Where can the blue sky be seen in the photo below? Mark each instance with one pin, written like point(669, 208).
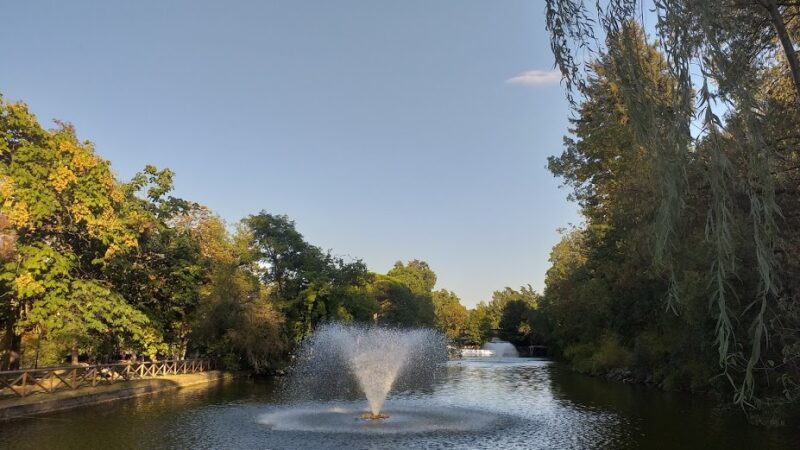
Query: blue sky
point(387, 130)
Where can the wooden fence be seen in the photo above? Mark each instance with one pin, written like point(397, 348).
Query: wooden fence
point(25, 382)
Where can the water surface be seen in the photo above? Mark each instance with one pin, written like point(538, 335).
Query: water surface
point(516, 403)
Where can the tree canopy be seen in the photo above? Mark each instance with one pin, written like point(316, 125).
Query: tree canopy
point(715, 151)
point(98, 269)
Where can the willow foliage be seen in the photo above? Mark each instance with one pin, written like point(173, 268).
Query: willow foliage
point(717, 53)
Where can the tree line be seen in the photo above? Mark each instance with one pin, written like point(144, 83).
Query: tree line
point(683, 156)
point(95, 269)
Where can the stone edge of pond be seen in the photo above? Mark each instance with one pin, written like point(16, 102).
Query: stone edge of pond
point(38, 404)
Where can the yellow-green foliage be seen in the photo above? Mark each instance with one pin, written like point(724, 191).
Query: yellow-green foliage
point(609, 354)
point(598, 357)
point(98, 268)
point(66, 211)
point(580, 356)
point(450, 314)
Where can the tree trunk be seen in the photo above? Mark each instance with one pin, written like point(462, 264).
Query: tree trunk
point(11, 349)
point(786, 41)
point(74, 354)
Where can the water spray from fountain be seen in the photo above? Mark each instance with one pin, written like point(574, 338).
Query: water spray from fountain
point(501, 349)
point(374, 359)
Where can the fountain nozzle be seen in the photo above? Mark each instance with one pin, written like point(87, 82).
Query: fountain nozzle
point(371, 416)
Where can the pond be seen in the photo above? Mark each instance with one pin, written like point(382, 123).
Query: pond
point(480, 403)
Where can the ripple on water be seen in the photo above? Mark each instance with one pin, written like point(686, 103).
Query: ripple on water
point(406, 418)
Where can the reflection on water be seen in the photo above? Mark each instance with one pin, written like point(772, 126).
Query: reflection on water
point(526, 403)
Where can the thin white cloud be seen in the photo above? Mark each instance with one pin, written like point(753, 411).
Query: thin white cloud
point(536, 78)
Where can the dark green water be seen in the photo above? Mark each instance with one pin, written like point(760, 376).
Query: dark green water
point(479, 403)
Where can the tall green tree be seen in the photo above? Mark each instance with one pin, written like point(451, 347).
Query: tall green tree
point(520, 321)
point(605, 288)
point(163, 277)
point(417, 275)
point(235, 321)
point(405, 294)
point(734, 44)
point(398, 305)
point(478, 328)
point(67, 213)
point(309, 285)
point(450, 315)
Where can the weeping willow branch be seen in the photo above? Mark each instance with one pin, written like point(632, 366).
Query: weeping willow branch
point(718, 231)
point(659, 128)
point(732, 42)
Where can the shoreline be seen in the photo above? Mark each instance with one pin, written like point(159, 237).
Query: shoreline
point(768, 415)
point(38, 404)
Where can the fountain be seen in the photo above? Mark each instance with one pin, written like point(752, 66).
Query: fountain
point(501, 349)
point(495, 348)
point(375, 358)
point(341, 364)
